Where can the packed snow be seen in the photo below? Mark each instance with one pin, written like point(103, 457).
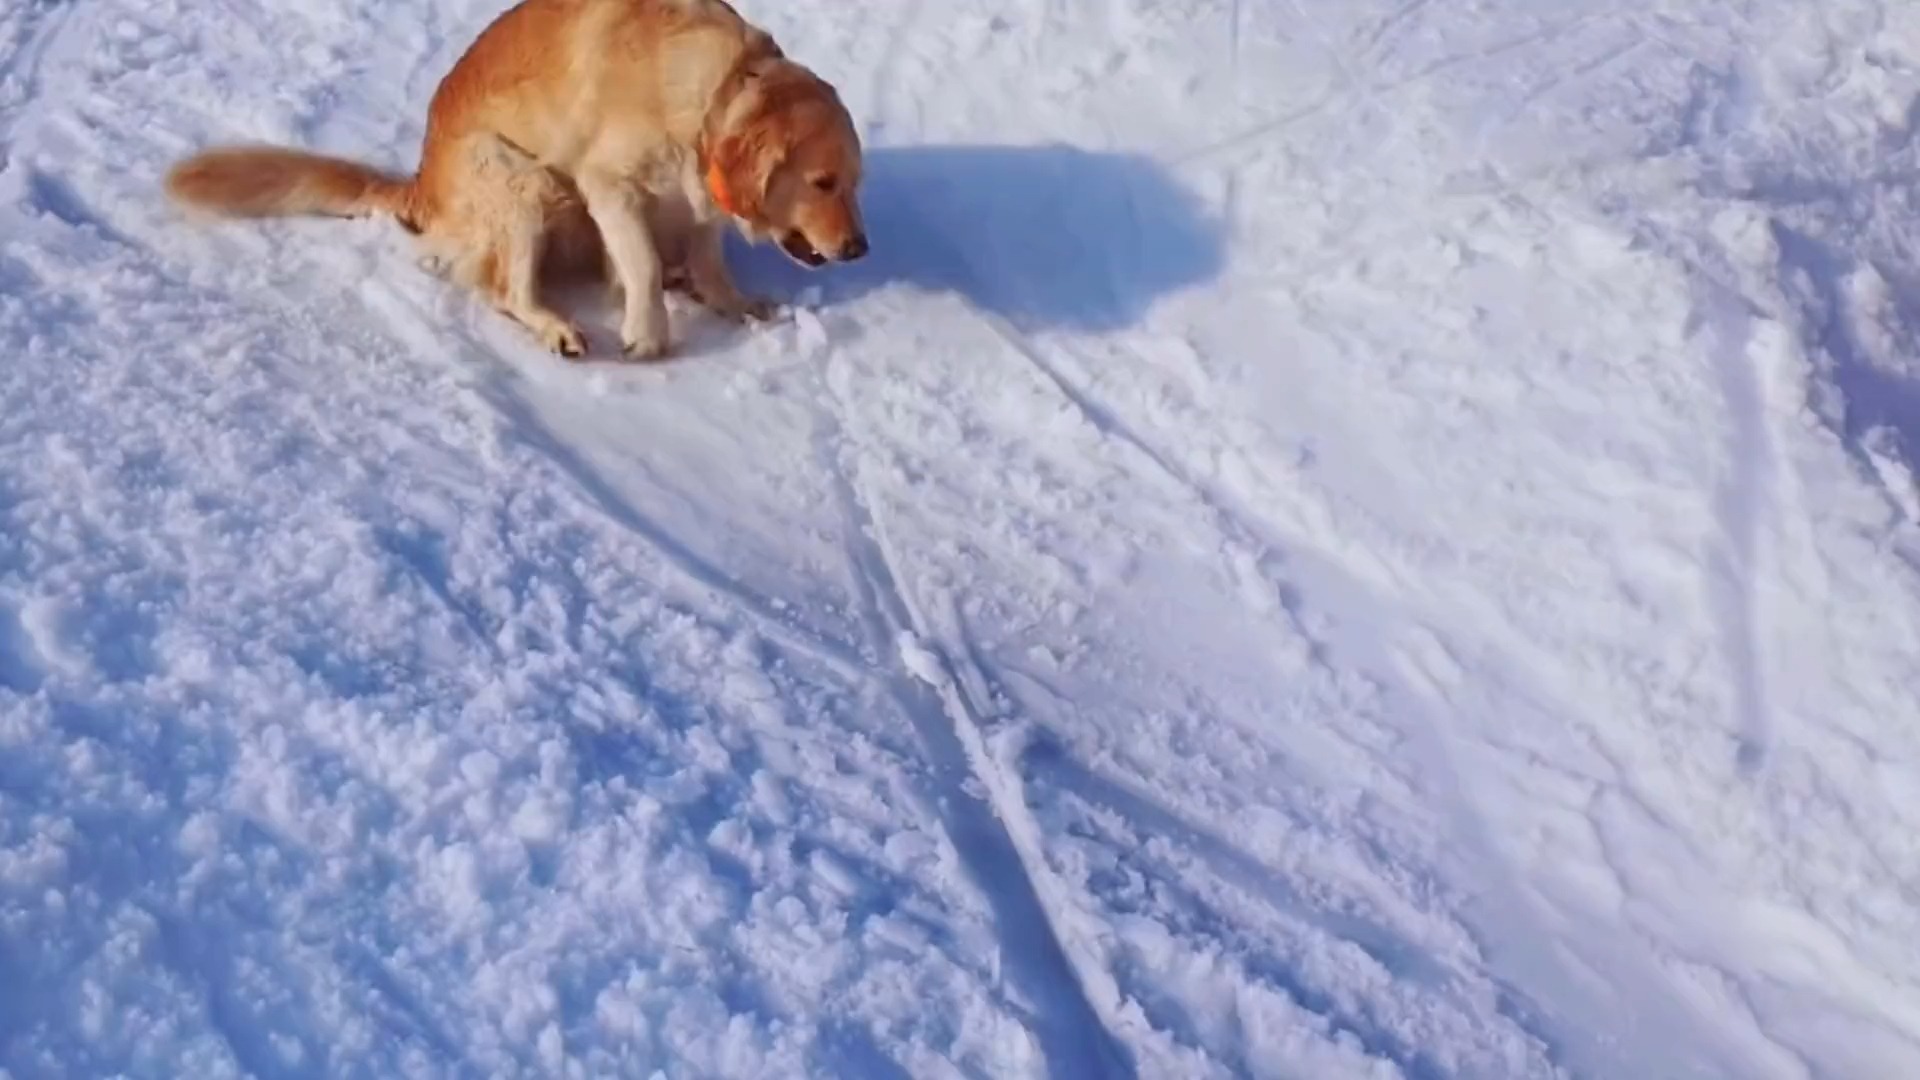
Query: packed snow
point(1330, 538)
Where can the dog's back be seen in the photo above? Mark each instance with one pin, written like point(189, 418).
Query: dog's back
point(608, 85)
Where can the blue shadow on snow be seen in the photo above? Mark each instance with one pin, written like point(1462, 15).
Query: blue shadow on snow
point(1048, 236)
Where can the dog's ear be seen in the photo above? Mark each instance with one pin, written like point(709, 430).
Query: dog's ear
point(742, 166)
point(752, 139)
point(749, 151)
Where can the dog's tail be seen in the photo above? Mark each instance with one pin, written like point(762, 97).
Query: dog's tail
point(270, 181)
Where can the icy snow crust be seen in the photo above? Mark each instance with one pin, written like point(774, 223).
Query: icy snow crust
point(1329, 539)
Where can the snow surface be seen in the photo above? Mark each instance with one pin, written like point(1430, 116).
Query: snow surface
point(1330, 538)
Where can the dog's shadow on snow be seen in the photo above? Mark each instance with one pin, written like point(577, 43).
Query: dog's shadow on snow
point(1048, 236)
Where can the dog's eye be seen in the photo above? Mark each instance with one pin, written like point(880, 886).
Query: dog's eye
point(824, 182)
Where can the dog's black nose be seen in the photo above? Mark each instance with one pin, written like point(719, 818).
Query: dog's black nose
point(855, 248)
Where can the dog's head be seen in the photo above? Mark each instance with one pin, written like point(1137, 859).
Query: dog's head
point(784, 160)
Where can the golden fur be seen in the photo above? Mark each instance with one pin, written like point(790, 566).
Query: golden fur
point(593, 137)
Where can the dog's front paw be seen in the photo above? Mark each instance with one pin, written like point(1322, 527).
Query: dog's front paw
point(643, 345)
point(748, 309)
point(760, 309)
point(645, 337)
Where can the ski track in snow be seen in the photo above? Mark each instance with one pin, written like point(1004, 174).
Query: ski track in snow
point(1743, 509)
point(980, 810)
point(1326, 540)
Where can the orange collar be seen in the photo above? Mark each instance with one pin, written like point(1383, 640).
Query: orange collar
point(717, 187)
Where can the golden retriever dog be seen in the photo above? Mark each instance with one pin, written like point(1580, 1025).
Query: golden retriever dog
point(616, 138)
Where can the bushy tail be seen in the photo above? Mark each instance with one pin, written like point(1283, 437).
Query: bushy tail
point(269, 181)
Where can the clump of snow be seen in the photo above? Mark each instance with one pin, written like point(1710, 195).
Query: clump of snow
point(920, 661)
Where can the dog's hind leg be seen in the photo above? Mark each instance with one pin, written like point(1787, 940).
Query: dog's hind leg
point(519, 294)
point(515, 203)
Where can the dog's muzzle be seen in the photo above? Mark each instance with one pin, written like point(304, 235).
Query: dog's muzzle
point(800, 250)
